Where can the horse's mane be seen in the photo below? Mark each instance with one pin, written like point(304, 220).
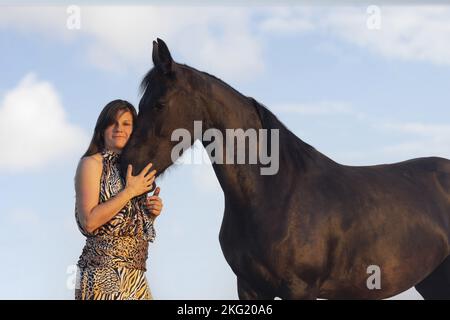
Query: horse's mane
point(293, 146)
point(149, 78)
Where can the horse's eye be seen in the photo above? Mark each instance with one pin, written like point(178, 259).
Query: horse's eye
point(159, 105)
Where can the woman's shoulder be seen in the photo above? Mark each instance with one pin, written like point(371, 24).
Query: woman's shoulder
point(92, 159)
point(91, 163)
point(96, 156)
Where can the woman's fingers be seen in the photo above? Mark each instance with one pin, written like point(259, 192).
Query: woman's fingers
point(154, 203)
point(144, 171)
point(155, 208)
point(154, 199)
point(150, 178)
point(151, 174)
point(149, 183)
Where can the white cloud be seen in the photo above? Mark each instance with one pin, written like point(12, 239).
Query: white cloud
point(285, 20)
point(229, 41)
point(33, 127)
point(407, 32)
point(49, 21)
point(418, 33)
point(423, 139)
point(214, 39)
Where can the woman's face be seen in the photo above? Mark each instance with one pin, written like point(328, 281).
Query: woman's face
point(118, 133)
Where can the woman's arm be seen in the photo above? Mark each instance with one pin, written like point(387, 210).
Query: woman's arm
point(93, 215)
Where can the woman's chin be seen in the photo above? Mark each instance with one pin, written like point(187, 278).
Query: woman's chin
point(119, 146)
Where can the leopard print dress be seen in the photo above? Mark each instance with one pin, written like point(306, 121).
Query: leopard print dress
point(113, 262)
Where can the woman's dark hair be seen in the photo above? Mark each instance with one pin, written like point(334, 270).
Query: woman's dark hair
point(105, 119)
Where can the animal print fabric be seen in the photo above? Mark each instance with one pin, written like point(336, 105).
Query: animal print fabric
point(112, 284)
point(113, 262)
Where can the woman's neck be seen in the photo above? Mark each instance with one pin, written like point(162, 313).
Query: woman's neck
point(113, 149)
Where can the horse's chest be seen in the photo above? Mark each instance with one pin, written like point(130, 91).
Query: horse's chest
point(243, 250)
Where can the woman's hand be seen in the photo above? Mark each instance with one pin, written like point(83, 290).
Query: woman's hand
point(140, 184)
point(154, 203)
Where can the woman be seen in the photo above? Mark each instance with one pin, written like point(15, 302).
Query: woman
point(115, 215)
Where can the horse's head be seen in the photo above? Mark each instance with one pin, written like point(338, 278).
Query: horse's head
point(168, 103)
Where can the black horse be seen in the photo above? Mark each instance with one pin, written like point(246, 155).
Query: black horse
point(316, 229)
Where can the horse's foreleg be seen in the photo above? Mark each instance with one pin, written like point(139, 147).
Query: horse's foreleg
point(437, 284)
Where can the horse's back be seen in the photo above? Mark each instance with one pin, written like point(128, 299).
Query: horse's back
point(427, 164)
point(421, 172)
point(435, 168)
point(424, 164)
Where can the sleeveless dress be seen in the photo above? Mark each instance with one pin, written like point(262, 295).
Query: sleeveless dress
point(113, 262)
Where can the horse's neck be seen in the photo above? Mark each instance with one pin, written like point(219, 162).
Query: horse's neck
point(228, 109)
point(225, 108)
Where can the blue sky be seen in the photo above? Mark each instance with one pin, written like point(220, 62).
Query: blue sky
point(360, 96)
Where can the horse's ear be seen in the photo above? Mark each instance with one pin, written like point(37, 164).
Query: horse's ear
point(161, 56)
point(155, 55)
